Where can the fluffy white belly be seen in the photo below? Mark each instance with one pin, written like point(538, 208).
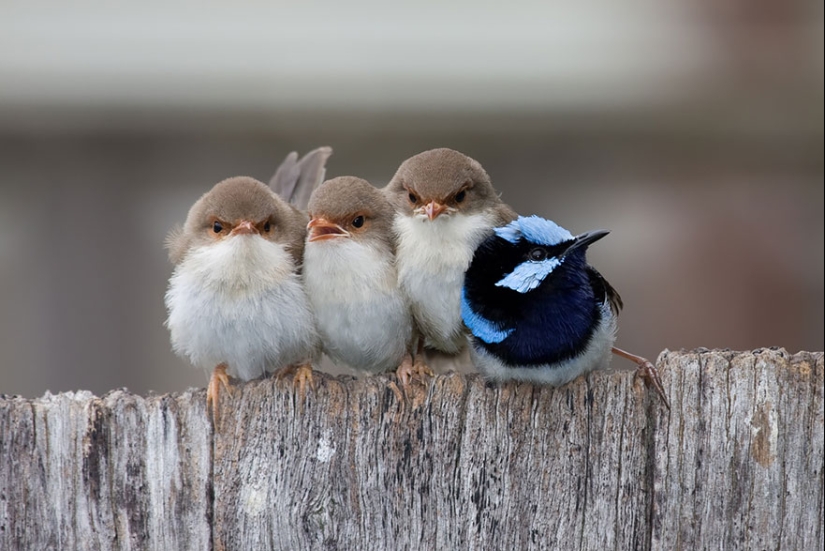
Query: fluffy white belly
point(363, 319)
point(255, 320)
point(432, 258)
point(596, 356)
point(372, 336)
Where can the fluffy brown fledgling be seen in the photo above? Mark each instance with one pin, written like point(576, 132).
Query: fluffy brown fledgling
point(446, 206)
point(351, 278)
point(236, 302)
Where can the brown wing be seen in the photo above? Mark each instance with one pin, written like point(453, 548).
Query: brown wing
point(604, 290)
point(294, 234)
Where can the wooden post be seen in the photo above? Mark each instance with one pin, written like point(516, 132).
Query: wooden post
point(460, 464)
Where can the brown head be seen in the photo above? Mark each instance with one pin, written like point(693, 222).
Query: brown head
point(350, 208)
point(442, 181)
point(239, 206)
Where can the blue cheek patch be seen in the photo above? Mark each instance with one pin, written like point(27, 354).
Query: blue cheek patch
point(480, 327)
point(529, 275)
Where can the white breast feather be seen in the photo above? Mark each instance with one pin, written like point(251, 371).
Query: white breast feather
point(432, 257)
point(239, 301)
point(363, 319)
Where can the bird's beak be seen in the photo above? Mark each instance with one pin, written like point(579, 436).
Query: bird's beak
point(245, 227)
point(433, 209)
point(321, 228)
point(585, 239)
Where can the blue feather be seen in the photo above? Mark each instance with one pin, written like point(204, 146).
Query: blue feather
point(480, 327)
point(511, 232)
point(534, 229)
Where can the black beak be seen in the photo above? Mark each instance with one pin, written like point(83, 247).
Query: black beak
point(585, 239)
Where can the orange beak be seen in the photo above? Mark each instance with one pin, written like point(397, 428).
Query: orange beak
point(320, 229)
point(433, 209)
point(244, 227)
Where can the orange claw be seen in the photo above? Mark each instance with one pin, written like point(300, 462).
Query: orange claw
point(302, 376)
point(409, 370)
point(213, 391)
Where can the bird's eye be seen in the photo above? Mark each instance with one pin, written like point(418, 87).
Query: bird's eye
point(358, 222)
point(459, 197)
point(412, 197)
point(267, 226)
point(537, 255)
point(217, 227)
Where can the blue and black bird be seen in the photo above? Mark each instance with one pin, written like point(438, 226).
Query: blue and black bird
point(537, 311)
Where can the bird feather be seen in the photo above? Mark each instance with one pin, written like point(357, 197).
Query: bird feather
point(295, 180)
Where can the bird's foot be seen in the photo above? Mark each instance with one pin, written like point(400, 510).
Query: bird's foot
point(647, 372)
point(304, 378)
point(409, 370)
point(301, 376)
point(213, 390)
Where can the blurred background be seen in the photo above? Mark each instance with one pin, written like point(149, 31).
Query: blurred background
point(693, 130)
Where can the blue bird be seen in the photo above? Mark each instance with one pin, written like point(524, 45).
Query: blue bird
point(537, 311)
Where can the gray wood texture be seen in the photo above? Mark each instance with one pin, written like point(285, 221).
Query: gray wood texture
point(458, 464)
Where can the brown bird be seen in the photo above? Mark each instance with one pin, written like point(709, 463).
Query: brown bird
point(235, 301)
point(446, 207)
point(351, 279)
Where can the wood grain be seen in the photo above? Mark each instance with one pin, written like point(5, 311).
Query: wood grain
point(457, 464)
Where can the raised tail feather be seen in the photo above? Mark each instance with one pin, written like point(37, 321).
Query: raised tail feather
point(296, 179)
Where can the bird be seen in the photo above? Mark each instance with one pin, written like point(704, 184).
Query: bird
point(537, 311)
point(351, 279)
point(446, 206)
point(235, 301)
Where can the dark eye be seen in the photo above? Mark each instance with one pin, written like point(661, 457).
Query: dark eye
point(358, 222)
point(217, 227)
point(537, 255)
point(267, 226)
point(412, 197)
point(459, 197)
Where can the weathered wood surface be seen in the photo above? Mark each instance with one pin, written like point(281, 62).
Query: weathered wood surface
point(461, 464)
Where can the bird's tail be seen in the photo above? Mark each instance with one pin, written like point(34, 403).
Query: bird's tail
point(296, 179)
